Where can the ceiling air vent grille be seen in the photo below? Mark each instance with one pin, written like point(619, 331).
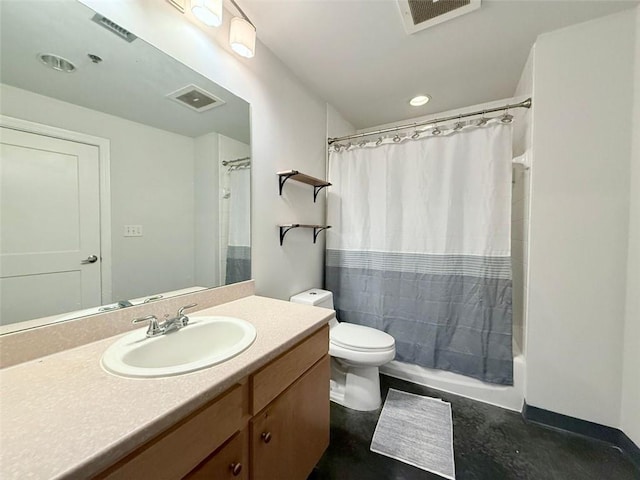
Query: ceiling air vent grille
point(420, 14)
point(196, 98)
point(113, 27)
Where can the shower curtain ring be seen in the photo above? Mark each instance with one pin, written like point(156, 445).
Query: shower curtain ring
point(458, 125)
point(506, 118)
point(483, 120)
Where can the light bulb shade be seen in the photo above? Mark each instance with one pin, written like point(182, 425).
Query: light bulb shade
point(208, 12)
point(242, 37)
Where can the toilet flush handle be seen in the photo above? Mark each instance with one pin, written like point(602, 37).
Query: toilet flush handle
point(266, 437)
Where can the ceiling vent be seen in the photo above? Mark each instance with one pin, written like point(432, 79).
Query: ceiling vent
point(420, 14)
point(113, 27)
point(196, 98)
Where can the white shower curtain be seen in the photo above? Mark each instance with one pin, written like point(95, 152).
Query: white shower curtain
point(239, 245)
point(420, 247)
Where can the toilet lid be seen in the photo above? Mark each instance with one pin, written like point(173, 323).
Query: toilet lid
point(361, 338)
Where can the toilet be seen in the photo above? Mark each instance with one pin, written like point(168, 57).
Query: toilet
point(356, 353)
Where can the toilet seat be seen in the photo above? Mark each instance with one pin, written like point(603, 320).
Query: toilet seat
point(361, 346)
point(359, 338)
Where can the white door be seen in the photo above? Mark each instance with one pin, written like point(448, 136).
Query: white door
point(49, 226)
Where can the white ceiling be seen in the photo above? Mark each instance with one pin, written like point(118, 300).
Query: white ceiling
point(356, 55)
point(131, 82)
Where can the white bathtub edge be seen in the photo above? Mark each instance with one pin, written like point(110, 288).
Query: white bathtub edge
point(508, 397)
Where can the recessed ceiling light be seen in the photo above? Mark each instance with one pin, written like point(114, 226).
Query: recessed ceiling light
point(419, 100)
point(57, 63)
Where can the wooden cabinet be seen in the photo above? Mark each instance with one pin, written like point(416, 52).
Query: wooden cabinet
point(230, 462)
point(176, 452)
point(290, 435)
point(272, 425)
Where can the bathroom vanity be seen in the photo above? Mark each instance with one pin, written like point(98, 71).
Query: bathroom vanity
point(263, 414)
point(272, 424)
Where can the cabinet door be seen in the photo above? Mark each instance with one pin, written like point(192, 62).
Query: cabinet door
point(231, 462)
point(291, 434)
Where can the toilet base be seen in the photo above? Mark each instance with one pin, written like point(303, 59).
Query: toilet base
point(357, 388)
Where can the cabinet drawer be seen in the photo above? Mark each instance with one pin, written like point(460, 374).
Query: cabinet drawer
point(231, 462)
point(176, 452)
point(274, 379)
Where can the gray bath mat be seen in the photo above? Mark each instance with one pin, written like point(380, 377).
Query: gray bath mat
point(416, 430)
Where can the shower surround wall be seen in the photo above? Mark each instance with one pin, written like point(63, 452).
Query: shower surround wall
point(520, 204)
point(519, 248)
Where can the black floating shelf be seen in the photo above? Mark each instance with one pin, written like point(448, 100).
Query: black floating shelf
point(290, 226)
point(302, 178)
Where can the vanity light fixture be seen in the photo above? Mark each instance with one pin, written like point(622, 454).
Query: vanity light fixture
point(208, 12)
point(242, 37)
point(242, 34)
point(419, 100)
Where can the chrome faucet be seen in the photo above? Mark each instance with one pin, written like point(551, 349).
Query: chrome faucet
point(155, 329)
point(179, 321)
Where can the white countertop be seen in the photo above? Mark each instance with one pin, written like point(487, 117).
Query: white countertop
point(63, 415)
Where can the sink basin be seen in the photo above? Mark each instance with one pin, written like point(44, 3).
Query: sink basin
point(206, 341)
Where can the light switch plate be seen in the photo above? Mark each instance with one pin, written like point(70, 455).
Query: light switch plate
point(133, 230)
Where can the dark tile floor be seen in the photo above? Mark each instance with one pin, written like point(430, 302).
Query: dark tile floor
point(489, 443)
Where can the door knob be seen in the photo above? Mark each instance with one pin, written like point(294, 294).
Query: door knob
point(90, 259)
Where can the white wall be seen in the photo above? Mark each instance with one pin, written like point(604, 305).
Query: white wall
point(207, 166)
point(337, 126)
point(583, 85)
point(151, 185)
point(288, 131)
point(630, 417)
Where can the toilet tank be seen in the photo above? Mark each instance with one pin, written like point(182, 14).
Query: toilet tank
point(315, 297)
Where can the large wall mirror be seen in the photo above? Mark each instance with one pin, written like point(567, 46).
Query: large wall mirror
point(124, 175)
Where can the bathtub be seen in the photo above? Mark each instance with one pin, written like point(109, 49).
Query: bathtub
point(509, 397)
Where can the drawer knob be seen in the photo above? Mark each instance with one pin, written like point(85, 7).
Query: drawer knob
point(235, 468)
point(266, 437)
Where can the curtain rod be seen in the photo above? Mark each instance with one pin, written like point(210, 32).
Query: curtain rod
point(237, 160)
point(524, 104)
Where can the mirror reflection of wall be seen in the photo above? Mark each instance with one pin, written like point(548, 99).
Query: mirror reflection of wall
point(169, 213)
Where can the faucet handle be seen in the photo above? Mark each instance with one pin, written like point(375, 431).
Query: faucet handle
point(154, 328)
point(184, 320)
point(182, 309)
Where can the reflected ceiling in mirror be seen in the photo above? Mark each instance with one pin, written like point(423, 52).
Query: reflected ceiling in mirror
point(114, 151)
